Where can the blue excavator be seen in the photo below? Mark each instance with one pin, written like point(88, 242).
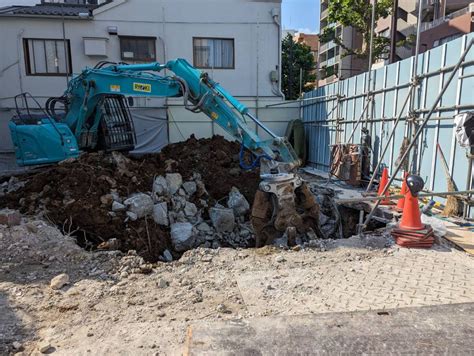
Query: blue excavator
point(93, 114)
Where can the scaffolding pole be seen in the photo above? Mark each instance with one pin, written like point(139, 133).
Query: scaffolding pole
point(420, 129)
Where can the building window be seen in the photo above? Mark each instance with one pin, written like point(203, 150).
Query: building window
point(47, 57)
point(402, 14)
point(217, 53)
point(140, 49)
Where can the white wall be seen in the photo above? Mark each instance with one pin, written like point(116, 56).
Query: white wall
point(182, 123)
point(173, 22)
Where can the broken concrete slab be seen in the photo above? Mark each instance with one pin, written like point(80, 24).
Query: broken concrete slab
point(167, 256)
point(204, 227)
point(182, 236)
point(174, 180)
point(223, 219)
point(238, 203)
point(160, 186)
point(190, 209)
point(190, 187)
point(141, 204)
point(160, 214)
point(116, 206)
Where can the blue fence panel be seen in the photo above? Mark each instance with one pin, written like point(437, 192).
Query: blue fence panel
point(345, 100)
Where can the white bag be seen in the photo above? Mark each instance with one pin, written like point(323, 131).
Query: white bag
point(461, 134)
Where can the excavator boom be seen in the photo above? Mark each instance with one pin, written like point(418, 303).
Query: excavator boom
point(97, 115)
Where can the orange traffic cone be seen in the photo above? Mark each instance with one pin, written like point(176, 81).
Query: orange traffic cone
point(411, 218)
point(411, 232)
point(403, 191)
point(383, 183)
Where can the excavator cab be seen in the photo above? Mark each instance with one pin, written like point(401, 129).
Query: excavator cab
point(37, 138)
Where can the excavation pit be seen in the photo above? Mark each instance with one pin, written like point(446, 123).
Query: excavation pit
point(86, 199)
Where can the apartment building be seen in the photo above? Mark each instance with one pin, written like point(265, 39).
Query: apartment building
point(311, 41)
point(332, 64)
point(406, 19)
point(444, 21)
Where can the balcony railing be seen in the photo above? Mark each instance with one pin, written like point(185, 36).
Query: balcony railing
point(324, 13)
point(425, 26)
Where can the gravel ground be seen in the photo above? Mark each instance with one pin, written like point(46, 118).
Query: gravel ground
point(116, 303)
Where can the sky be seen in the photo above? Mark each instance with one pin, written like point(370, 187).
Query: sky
point(300, 15)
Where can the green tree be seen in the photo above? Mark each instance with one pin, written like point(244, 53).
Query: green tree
point(296, 57)
point(358, 14)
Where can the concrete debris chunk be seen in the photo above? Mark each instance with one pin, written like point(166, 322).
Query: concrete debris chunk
point(162, 283)
point(190, 209)
point(280, 259)
point(44, 347)
point(116, 196)
point(17, 346)
point(10, 217)
point(141, 204)
point(234, 172)
point(222, 308)
point(204, 227)
point(59, 281)
point(201, 189)
point(174, 181)
point(32, 227)
point(167, 256)
point(160, 186)
point(132, 216)
point(122, 163)
point(190, 187)
point(116, 206)
point(160, 214)
point(178, 203)
point(223, 219)
point(182, 236)
point(238, 203)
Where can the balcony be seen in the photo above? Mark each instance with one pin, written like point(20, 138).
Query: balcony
point(324, 13)
point(327, 46)
point(429, 25)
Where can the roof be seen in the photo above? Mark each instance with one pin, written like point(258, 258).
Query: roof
point(49, 9)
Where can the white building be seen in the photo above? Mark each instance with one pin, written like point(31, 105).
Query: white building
point(236, 41)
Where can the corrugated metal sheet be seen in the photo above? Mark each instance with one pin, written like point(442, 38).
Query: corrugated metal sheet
point(331, 118)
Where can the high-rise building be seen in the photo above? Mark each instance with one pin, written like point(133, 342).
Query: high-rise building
point(445, 20)
point(406, 20)
point(333, 65)
point(442, 21)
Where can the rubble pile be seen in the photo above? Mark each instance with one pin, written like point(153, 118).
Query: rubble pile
point(191, 194)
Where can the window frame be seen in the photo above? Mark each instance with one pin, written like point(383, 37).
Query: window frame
point(215, 38)
point(28, 62)
point(153, 38)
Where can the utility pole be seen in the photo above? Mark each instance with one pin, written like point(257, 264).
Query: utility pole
point(290, 72)
point(393, 34)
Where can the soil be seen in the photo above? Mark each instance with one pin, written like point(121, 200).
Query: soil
point(69, 194)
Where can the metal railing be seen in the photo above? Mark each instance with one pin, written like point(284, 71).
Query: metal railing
point(425, 26)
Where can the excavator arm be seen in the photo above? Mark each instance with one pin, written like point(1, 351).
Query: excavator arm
point(283, 207)
point(199, 92)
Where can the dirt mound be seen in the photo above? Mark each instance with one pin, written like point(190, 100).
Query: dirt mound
point(76, 195)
